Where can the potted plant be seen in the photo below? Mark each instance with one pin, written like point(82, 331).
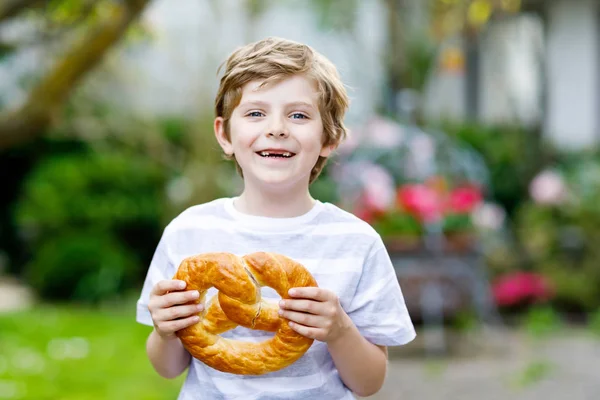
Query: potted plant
point(418, 207)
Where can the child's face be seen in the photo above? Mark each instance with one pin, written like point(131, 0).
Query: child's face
point(276, 132)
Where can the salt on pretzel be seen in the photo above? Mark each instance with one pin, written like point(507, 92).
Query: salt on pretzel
point(238, 302)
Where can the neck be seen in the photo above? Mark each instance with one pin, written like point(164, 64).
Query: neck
point(275, 203)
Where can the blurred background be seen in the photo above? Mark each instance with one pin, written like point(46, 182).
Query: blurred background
point(473, 152)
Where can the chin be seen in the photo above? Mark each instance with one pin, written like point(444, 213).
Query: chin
point(278, 181)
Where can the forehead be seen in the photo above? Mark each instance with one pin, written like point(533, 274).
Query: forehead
point(296, 88)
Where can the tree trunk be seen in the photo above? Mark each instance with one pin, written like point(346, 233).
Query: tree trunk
point(395, 53)
point(10, 8)
point(45, 99)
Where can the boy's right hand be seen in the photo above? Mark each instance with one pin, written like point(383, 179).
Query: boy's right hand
point(170, 309)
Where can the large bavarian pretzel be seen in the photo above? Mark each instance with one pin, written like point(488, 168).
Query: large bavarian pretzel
point(239, 302)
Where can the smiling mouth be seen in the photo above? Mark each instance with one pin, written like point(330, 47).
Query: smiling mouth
point(275, 154)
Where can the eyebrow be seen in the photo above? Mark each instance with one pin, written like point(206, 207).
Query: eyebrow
point(259, 103)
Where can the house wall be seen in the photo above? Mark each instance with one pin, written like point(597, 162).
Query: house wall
point(511, 80)
point(572, 73)
point(177, 73)
point(508, 81)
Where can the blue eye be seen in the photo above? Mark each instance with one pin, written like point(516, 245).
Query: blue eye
point(299, 116)
point(255, 114)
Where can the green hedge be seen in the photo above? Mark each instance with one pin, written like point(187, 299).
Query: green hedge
point(90, 222)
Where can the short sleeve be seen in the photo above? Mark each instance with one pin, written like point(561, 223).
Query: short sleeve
point(161, 268)
point(378, 308)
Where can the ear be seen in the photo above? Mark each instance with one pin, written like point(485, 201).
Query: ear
point(327, 150)
point(221, 136)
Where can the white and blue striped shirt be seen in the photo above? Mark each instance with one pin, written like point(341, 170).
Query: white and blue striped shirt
point(344, 254)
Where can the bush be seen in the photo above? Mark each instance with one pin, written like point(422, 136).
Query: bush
point(560, 233)
point(513, 155)
point(92, 220)
point(81, 266)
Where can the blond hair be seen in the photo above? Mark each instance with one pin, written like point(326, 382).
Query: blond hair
point(273, 59)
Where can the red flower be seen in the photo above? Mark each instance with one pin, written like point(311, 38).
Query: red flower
point(365, 214)
point(464, 199)
point(420, 200)
point(521, 287)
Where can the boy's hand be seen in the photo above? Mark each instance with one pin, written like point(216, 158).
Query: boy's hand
point(169, 307)
point(315, 313)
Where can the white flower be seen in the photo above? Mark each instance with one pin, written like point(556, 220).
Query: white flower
point(489, 216)
point(379, 188)
point(548, 187)
point(384, 133)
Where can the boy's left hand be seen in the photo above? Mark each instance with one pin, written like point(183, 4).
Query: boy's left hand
point(315, 313)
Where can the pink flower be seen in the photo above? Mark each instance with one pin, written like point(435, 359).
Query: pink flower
point(365, 214)
point(521, 287)
point(464, 199)
point(422, 201)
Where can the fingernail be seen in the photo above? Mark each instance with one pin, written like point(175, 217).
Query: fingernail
point(196, 319)
point(200, 307)
point(280, 312)
point(181, 285)
point(282, 303)
point(195, 293)
point(292, 292)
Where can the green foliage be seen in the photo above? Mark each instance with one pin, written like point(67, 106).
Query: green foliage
point(533, 373)
point(324, 188)
point(512, 154)
point(420, 55)
point(594, 322)
point(455, 223)
point(560, 240)
point(91, 221)
point(542, 321)
point(106, 191)
point(81, 266)
point(338, 15)
point(389, 225)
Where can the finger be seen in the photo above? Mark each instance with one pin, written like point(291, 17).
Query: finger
point(310, 320)
point(174, 326)
point(314, 293)
point(168, 285)
point(307, 306)
point(177, 312)
point(175, 298)
point(306, 331)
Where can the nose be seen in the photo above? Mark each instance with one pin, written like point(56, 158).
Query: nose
point(277, 128)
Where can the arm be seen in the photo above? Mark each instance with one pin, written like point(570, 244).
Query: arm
point(317, 313)
point(168, 356)
point(361, 364)
point(170, 313)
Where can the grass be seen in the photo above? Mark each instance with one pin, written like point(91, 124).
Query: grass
point(69, 352)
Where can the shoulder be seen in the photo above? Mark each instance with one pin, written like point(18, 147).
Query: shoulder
point(205, 214)
point(335, 220)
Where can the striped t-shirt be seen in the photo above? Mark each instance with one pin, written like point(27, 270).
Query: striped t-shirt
point(344, 254)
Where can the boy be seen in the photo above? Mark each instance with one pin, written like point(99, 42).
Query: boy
point(279, 115)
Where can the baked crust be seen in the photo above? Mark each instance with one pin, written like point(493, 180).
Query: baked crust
point(238, 302)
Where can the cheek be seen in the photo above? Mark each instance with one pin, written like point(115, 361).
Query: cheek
point(313, 140)
point(242, 136)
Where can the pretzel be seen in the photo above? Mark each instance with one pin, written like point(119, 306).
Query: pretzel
point(238, 302)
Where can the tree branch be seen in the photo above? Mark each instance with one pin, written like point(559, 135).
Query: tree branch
point(35, 115)
point(10, 8)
